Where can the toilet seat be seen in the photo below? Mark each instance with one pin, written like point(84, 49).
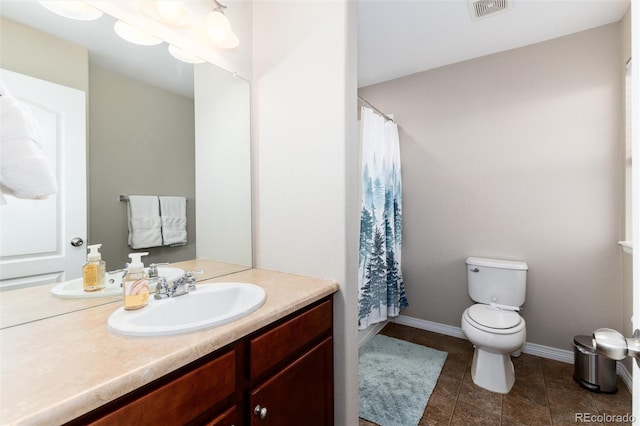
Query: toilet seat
point(492, 320)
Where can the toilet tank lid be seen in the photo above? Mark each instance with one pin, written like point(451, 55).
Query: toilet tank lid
point(497, 263)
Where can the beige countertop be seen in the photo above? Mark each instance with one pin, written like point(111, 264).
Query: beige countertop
point(56, 369)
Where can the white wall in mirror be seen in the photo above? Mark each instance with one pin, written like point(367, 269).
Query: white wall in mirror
point(222, 105)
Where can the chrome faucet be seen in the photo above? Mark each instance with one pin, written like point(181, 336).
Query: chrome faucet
point(153, 269)
point(182, 285)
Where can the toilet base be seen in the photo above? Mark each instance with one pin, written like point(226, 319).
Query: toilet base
point(492, 371)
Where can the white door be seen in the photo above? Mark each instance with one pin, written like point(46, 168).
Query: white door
point(36, 235)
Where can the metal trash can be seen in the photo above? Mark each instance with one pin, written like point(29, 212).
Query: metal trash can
point(590, 370)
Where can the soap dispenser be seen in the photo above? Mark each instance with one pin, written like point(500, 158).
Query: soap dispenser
point(93, 272)
point(135, 285)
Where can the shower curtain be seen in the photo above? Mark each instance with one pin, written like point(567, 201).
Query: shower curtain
point(381, 289)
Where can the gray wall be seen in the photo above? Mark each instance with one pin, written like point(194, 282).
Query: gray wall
point(141, 142)
point(516, 155)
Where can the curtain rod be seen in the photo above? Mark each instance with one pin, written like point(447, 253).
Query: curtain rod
point(375, 109)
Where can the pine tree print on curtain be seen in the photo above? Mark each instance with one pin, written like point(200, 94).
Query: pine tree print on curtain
point(381, 289)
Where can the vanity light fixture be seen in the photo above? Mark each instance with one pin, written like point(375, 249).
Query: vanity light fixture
point(135, 35)
point(77, 10)
point(171, 12)
point(184, 56)
point(219, 29)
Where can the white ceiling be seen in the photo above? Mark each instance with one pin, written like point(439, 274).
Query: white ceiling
point(398, 37)
point(152, 64)
point(395, 37)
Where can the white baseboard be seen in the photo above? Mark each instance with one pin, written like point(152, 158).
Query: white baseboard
point(367, 334)
point(449, 330)
point(561, 355)
point(625, 375)
point(548, 352)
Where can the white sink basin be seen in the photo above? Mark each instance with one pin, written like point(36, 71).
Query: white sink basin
point(73, 289)
point(208, 306)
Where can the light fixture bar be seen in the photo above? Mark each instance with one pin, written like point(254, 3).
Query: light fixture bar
point(184, 56)
point(78, 10)
point(135, 35)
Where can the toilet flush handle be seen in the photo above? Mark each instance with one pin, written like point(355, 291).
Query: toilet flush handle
point(475, 270)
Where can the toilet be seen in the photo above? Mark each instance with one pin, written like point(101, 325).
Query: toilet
point(493, 324)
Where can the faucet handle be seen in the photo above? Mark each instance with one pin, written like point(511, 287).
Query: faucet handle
point(153, 270)
point(162, 288)
point(190, 280)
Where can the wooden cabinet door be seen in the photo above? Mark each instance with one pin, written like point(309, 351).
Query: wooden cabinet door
point(300, 394)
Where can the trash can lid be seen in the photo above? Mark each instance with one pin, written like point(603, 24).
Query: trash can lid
point(584, 342)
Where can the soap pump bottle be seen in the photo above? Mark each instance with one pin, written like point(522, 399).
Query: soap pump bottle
point(93, 272)
point(135, 285)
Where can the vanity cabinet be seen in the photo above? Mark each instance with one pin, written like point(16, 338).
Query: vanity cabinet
point(301, 393)
point(281, 374)
point(298, 391)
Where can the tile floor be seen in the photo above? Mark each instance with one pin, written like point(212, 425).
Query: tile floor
point(544, 393)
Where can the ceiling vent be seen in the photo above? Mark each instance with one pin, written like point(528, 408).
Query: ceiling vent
point(484, 8)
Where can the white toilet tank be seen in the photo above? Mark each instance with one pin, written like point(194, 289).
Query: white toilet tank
point(497, 281)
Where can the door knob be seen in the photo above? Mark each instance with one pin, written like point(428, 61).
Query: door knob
point(611, 344)
point(260, 411)
point(77, 242)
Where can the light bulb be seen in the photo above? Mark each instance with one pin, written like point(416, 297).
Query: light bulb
point(218, 26)
point(217, 35)
point(73, 10)
point(170, 10)
point(217, 19)
point(231, 42)
point(219, 30)
point(135, 35)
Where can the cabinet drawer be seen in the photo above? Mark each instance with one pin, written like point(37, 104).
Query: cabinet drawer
point(277, 344)
point(228, 418)
point(180, 400)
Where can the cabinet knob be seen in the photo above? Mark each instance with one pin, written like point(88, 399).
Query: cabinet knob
point(260, 411)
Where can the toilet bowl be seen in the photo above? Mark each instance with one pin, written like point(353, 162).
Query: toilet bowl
point(496, 334)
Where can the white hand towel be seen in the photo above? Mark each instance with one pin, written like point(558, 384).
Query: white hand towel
point(24, 170)
point(173, 211)
point(144, 222)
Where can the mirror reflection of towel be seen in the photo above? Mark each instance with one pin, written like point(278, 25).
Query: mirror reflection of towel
point(173, 211)
point(144, 222)
point(24, 170)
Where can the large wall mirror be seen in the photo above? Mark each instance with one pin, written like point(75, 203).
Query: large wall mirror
point(154, 126)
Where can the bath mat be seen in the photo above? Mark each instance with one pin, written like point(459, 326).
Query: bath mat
point(396, 380)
